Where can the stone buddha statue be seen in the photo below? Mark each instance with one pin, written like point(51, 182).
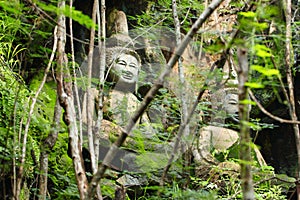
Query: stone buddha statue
point(123, 65)
point(217, 136)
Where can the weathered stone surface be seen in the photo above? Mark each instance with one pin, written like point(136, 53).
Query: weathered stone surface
point(213, 138)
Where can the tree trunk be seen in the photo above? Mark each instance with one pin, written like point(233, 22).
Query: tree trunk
point(245, 141)
point(288, 59)
point(65, 95)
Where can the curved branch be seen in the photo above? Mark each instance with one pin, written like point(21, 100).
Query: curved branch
point(270, 114)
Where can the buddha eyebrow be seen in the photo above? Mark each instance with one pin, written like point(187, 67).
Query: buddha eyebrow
point(120, 61)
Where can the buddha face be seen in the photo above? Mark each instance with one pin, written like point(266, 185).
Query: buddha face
point(231, 105)
point(125, 69)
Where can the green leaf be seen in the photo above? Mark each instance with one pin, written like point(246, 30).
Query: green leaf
point(248, 14)
point(262, 51)
point(254, 85)
point(76, 15)
point(265, 71)
point(247, 102)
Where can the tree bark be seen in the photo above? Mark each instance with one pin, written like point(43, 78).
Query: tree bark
point(288, 60)
point(75, 77)
point(149, 97)
point(245, 141)
point(65, 95)
point(102, 54)
point(90, 96)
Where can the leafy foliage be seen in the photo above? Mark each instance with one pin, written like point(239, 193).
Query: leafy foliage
point(25, 38)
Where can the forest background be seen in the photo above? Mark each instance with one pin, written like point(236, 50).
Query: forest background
point(260, 40)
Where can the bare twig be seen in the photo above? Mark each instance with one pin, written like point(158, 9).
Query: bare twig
point(270, 114)
point(184, 110)
point(102, 54)
point(181, 129)
point(75, 76)
point(101, 44)
point(50, 19)
point(90, 97)
point(149, 97)
point(34, 99)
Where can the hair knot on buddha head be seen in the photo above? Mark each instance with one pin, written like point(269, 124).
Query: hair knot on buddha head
point(123, 65)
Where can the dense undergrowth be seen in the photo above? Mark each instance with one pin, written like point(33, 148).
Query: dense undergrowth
point(25, 48)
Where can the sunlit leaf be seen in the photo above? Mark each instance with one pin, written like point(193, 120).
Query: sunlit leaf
point(265, 71)
point(248, 14)
point(254, 85)
point(262, 51)
point(247, 102)
point(74, 14)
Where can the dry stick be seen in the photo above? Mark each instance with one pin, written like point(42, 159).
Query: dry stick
point(98, 124)
point(51, 139)
point(34, 99)
point(90, 97)
point(245, 147)
point(65, 94)
point(270, 114)
point(75, 76)
point(184, 109)
point(289, 76)
point(46, 16)
point(101, 45)
point(102, 54)
point(149, 97)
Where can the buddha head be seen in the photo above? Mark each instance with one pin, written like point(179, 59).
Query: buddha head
point(225, 104)
point(123, 66)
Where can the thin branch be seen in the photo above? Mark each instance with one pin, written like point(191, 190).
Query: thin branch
point(182, 128)
point(101, 44)
point(75, 76)
point(186, 15)
point(102, 55)
point(34, 99)
point(149, 97)
point(90, 97)
point(185, 116)
point(270, 114)
point(42, 13)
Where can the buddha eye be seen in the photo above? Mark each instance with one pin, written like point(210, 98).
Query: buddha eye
point(121, 62)
point(132, 65)
point(232, 102)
